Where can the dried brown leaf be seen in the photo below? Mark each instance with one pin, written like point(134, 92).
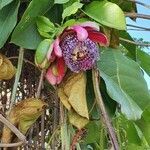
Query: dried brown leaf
point(72, 93)
point(23, 115)
point(7, 70)
point(77, 120)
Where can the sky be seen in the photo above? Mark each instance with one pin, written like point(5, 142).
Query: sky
point(142, 34)
point(141, 22)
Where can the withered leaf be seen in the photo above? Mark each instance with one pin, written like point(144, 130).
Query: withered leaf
point(23, 115)
point(64, 98)
point(72, 93)
point(7, 70)
point(77, 120)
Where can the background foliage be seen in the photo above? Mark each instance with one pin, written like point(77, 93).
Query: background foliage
point(122, 65)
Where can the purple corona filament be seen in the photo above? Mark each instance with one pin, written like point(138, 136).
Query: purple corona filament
point(79, 55)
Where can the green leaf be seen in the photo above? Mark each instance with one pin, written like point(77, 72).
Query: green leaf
point(61, 1)
point(124, 82)
point(65, 135)
point(126, 131)
point(25, 34)
point(129, 46)
point(93, 136)
point(55, 14)
point(42, 50)
point(136, 147)
point(144, 125)
point(146, 114)
point(8, 20)
point(109, 103)
point(44, 24)
point(45, 35)
point(3, 3)
point(106, 13)
point(144, 60)
point(71, 9)
point(69, 3)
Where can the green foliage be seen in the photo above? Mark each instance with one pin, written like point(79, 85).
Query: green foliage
point(126, 5)
point(125, 82)
point(93, 136)
point(143, 60)
point(131, 48)
point(71, 9)
point(25, 34)
point(3, 3)
point(44, 24)
point(42, 50)
point(106, 13)
point(122, 84)
point(8, 20)
point(60, 1)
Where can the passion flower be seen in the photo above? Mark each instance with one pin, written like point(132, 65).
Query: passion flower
point(78, 47)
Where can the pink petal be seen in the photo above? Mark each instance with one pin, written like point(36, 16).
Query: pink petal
point(98, 37)
point(57, 49)
point(91, 24)
point(59, 79)
point(82, 34)
point(53, 57)
point(51, 78)
point(61, 66)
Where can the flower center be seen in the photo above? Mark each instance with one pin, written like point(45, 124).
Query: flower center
point(79, 55)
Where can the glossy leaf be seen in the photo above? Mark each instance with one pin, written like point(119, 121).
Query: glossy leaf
point(25, 34)
point(71, 9)
point(124, 82)
point(8, 20)
point(106, 13)
point(143, 59)
point(3, 3)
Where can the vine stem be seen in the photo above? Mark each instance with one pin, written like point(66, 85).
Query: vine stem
point(139, 27)
point(14, 130)
point(38, 93)
point(100, 103)
point(12, 101)
point(17, 77)
point(135, 43)
point(136, 15)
